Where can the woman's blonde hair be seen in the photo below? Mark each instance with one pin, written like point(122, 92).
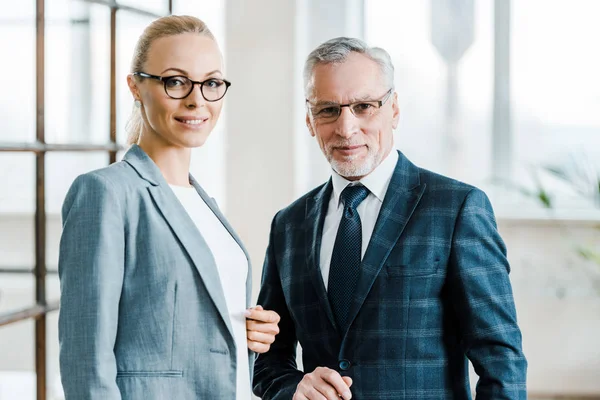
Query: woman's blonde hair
point(166, 26)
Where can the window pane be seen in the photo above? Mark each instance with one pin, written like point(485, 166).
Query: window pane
point(17, 364)
point(554, 94)
point(17, 77)
point(77, 108)
point(18, 10)
point(17, 291)
point(445, 122)
point(17, 174)
point(17, 238)
point(61, 170)
point(156, 6)
point(129, 28)
point(17, 242)
point(556, 90)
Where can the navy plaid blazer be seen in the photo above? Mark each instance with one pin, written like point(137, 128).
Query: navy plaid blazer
point(433, 292)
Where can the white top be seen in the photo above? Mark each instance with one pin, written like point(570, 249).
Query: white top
point(377, 182)
point(232, 265)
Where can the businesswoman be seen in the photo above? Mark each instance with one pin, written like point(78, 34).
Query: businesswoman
point(155, 284)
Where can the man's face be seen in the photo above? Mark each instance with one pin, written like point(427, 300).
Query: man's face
point(354, 146)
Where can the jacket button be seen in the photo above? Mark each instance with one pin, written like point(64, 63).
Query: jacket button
point(344, 365)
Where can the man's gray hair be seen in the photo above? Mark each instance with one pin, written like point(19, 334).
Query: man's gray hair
point(337, 50)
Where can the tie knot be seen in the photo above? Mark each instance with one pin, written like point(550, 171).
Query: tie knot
point(352, 196)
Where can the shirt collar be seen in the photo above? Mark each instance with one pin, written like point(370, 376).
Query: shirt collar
point(377, 181)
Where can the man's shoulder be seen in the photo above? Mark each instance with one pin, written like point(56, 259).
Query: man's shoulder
point(448, 192)
point(438, 182)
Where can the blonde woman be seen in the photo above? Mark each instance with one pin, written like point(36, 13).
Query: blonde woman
point(155, 284)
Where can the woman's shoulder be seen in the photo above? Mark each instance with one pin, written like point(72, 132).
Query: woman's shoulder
point(112, 185)
point(118, 178)
point(118, 174)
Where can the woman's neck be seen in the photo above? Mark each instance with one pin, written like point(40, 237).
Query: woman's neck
point(173, 161)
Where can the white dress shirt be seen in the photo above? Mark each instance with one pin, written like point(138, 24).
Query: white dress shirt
point(377, 182)
point(232, 265)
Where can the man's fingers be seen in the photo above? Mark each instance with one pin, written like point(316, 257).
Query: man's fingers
point(324, 382)
point(348, 380)
point(321, 393)
point(327, 391)
point(299, 396)
point(314, 388)
point(339, 384)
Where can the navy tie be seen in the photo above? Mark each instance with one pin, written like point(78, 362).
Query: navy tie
point(346, 256)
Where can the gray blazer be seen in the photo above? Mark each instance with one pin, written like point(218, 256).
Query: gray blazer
point(142, 310)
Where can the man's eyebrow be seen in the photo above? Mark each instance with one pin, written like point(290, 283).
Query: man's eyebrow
point(366, 97)
point(351, 101)
point(325, 103)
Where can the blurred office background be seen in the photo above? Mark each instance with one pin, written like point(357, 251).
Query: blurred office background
point(502, 94)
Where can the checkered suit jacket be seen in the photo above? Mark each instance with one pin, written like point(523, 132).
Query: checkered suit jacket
point(433, 292)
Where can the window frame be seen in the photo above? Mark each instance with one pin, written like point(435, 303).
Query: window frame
point(39, 147)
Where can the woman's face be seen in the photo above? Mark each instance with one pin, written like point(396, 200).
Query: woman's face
point(180, 122)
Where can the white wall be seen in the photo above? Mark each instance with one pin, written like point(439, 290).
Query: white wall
point(269, 151)
point(557, 295)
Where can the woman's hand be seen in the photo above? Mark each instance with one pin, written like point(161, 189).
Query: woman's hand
point(261, 328)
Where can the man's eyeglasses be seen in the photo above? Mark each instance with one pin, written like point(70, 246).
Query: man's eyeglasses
point(330, 112)
point(179, 86)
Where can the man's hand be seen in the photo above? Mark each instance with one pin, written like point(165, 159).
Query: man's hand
point(261, 328)
point(323, 384)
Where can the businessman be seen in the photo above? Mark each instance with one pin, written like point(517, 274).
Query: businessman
point(390, 277)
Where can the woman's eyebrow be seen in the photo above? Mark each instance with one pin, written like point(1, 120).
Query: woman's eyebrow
point(175, 69)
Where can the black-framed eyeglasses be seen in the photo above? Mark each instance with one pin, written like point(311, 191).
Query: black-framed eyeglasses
point(179, 87)
point(330, 112)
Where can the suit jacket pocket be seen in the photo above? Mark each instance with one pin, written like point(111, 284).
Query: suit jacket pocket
point(417, 269)
point(150, 374)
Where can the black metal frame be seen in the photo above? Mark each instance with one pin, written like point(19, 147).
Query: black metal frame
point(40, 148)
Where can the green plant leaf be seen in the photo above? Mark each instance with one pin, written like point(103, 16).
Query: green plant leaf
point(544, 198)
point(558, 172)
point(589, 254)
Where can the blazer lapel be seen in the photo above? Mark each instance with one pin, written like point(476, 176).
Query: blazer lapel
point(401, 199)
point(316, 208)
point(183, 227)
point(215, 209)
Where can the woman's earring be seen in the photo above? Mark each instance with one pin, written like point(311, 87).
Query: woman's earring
point(137, 103)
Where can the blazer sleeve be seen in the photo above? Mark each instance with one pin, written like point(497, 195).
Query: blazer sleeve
point(275, 373)
point(91, 266)
point(483, 301)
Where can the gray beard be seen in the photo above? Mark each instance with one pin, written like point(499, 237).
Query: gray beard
point(349, 169)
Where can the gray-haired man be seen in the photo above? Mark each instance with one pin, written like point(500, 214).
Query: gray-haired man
point(389, 276)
